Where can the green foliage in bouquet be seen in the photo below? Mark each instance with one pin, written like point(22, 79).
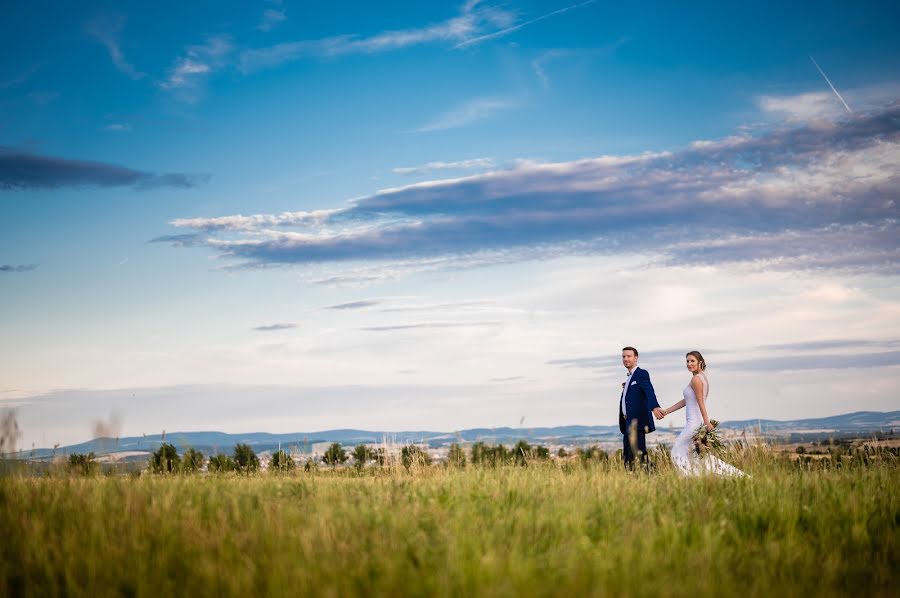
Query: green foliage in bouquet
point(708, 440)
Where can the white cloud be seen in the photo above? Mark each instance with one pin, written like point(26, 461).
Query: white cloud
point(189, 72)
point(824, 105)
point(468, 113)
point(805, 106)
point(826, 188)
point(430, 167)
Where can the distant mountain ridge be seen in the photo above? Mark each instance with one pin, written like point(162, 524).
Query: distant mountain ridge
point(220, 442)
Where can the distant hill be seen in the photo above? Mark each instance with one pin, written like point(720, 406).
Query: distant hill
point(860, 422)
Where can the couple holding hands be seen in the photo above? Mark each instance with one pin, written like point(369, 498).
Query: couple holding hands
point(638, 402)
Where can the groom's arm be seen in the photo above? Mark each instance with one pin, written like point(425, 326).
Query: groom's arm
point(647, 387)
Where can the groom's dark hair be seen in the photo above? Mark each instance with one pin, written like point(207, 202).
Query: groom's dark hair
point(636, 354)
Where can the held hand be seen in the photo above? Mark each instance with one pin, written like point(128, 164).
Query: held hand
point(659, 413)
point(710, 427)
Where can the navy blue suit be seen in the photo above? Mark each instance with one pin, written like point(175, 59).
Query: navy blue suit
point(640, 401)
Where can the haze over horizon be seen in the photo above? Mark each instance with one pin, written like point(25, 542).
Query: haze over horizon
point(279, 217)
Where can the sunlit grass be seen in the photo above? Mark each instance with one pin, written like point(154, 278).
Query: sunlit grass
point(547, 529)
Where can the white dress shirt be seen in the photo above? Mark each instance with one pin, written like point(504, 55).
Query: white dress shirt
point(625, 390)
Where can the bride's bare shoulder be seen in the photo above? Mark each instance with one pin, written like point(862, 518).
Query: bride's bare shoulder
point(697, 383)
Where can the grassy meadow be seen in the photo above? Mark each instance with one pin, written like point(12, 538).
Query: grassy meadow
point(549, 529)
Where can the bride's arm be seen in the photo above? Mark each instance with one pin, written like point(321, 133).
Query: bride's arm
point(697, 385)
point(674, 407)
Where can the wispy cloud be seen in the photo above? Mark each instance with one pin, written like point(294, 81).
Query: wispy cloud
point(257, 221)
point(355, 304)
point(539, 64)
point(184, 240)
point(431, 167)
point(854, 360)
point(107, 29)
point(473, 19)
point(8, 268)
point(470, 112)
point(441, 307)
point(270, 19)
point(20, 78)
point(275, 327)
point(828, 344)
point(811, 196)
point(430, 326)
point(189, 72)
point(20, 170)
point(513, 28)
point(753, 363)
point(508, 379)
point(118, 127)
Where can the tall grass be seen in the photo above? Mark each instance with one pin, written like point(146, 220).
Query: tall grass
point(548, 529)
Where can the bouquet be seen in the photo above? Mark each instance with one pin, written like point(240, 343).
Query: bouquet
point(706, 440)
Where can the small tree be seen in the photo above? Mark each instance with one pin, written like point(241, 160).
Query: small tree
point(220, 464)
point(562, 453)
point(361, 454)
point(414, 455)
point(479, 453)
point(456, 457)
point(499, 455)
point(191, 461)
point(542, 452)
point(281, 462)
point(245, 459)
point(83, 464)
point(165, 459)
point(335, 454)
point(522, 453)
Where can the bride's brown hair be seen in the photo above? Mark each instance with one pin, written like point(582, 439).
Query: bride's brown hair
point(699, 358)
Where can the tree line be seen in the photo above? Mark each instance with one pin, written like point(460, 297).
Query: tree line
point(243, 459)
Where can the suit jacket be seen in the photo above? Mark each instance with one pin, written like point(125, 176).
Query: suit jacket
point(640, 401)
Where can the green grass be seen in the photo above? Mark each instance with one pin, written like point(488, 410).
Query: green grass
point(546, 530)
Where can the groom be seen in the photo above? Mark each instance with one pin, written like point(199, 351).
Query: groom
point(636, 404)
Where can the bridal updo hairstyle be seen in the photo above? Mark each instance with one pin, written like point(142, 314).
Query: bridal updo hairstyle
point(699, 359)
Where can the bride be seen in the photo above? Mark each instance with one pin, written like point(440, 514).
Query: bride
point(695, 394)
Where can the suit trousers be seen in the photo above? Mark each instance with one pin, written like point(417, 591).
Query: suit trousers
point(641, 446)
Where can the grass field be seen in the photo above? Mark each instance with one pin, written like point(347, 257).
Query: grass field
point(547, 530)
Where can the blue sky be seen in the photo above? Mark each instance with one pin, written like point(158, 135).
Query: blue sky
point(288, 216)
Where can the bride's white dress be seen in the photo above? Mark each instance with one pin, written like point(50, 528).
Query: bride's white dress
point(684, 456)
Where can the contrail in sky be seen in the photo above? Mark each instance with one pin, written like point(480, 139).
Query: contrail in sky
point(481, 38)
point(830, 85)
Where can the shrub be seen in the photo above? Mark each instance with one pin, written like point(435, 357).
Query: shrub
point(281, 462)
point(245, 459)
point(165, 459)
point(414, 455)
point(335, 454)
point(83, 464)
point(220, 464)
point(192, 461)
point(456, 456)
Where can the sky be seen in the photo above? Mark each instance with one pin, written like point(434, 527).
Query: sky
point(298, 216)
